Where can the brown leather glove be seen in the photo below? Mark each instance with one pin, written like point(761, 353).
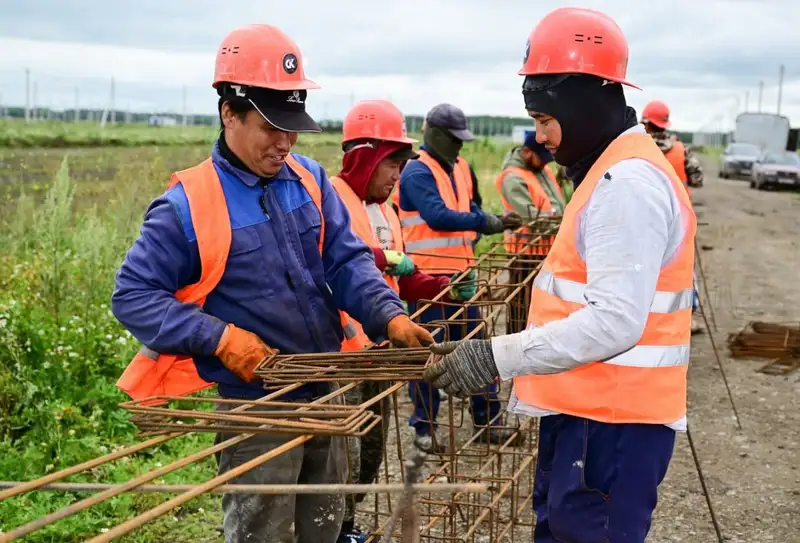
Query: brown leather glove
point(241, 351)
point(404, 333)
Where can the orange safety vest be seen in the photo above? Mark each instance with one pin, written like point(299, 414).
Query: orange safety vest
point(515, 241)
point(361, 225)
point(647, 383)
point(154, 374)
point(676, 156)
point(437, 251)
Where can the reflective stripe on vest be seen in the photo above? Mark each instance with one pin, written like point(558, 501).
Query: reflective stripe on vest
point(440, 251)
point(154, 374)
point(646, 383)
point(362, 226)
point(514, 242)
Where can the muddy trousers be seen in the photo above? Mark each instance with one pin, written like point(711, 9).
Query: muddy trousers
point(598, 482)
point(261, 518)
point(365, 454)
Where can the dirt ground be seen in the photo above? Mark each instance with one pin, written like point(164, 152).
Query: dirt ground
point(749, 245)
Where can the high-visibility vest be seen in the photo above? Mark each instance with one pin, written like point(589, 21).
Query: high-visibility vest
point(361, 225)
point(647, 383)
point(437, 251)
point(154, 374)
point(515, 241)
point(676, 156)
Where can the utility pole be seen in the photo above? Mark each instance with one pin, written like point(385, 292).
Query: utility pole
point(27, 95)
point(184, 106)
point(760, 94)
point(77, 108)
point(780, 87)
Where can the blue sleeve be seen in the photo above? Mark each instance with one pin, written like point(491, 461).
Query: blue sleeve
point(418, 192)
point(357, 284)
point(161, 261)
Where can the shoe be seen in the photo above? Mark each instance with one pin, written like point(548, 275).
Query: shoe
point(697, 326)
point(498, 436)
point(426, 443)
point(352, 536)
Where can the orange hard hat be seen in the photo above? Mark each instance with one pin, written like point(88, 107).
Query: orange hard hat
point(375, 120)
point(656, 113)
point(261, 56)
point(577, 41)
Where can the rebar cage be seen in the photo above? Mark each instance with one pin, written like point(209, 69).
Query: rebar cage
point(477, 489)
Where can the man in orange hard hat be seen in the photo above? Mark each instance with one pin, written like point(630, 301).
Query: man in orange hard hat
point(604, 359)
point(655, 118)
point(250, 252)
point(376, 145)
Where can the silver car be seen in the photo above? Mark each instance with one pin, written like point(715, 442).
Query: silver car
point(737, 160)
point(776, 169)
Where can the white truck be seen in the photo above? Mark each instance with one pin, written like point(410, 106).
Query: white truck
point(768, 131)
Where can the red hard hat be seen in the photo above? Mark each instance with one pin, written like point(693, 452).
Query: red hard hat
point(656, 113)
point(261, 56)
point(377, 120)
point(577, 41)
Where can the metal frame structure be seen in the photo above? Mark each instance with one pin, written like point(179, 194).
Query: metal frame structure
point(477, 491)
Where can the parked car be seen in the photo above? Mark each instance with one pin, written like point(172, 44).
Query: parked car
point(737, 160)
point(776, 169)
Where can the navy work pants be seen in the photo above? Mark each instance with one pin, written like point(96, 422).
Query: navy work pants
point(598, 482)
point(425, 398)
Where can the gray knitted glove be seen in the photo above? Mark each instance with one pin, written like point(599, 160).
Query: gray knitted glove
point(492, 224)
point(461, 368)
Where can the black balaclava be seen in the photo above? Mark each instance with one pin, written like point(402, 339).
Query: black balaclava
point(591, 112)
point(442, 143)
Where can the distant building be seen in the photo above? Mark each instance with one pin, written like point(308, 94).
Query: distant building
point(162, 120)
point(518, 132)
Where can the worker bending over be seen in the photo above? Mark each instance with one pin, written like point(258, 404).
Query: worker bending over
point(439, 222)
point(605, 357)
point(655, 117)
point(248, 252)
point(376, 146)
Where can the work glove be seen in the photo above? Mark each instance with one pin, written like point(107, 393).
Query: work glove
point(492, 224)
point(241, 351)
point(404, 333)
point(465, 289)
point(511, 221)
point(461, 368)
point(398, 263)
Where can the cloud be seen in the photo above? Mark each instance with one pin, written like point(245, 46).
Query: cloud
point(699, 56)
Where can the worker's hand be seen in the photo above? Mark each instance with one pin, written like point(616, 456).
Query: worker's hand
point(241, 351)
point(492, 224)
point(404, 333)
point(464, 289)
point(398, 263)
point(461, 368)
point(512, 221)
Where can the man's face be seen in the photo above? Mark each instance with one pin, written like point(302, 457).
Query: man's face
point(531, 158)
point(261, 146)
point(548, 131)
point(383, 179)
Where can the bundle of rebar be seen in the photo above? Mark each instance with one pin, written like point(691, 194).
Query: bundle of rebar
point(779, 342)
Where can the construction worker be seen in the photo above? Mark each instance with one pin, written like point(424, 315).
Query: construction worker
point(655, 117)
point(376, 145)
point(439, 222)
point(604, 359)
point(248, 252)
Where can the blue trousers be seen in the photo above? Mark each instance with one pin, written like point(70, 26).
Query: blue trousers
point(598, 482)
point(425, 398)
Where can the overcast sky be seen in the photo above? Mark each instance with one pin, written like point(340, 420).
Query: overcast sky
point(700, 57)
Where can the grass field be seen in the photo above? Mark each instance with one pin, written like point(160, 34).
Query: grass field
point(68, 217)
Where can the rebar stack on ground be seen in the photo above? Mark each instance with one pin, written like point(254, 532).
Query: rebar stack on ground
point(779, 342)
point(474, 491)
